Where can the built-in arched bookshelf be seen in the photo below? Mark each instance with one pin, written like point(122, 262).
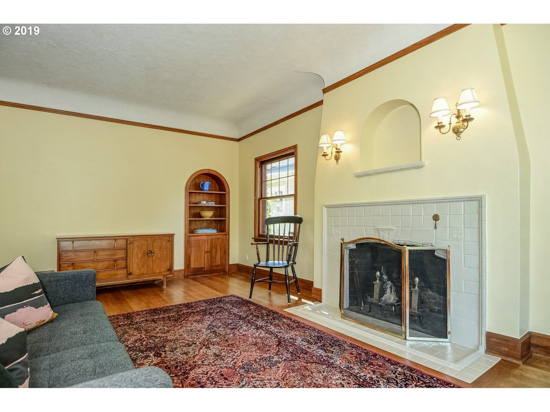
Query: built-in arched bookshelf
point(206, 238)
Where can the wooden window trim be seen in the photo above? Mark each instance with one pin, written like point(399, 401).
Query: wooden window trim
point(288, 151)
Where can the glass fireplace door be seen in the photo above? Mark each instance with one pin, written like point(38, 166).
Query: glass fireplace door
point(429, 288)
point(373, 285)
point(402, 290)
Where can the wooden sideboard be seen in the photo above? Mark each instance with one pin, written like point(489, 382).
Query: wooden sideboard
point(119, 259)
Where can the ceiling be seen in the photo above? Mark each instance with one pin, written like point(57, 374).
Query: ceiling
point(223, 79)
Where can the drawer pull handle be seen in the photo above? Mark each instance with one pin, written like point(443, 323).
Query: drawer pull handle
point(150, 253)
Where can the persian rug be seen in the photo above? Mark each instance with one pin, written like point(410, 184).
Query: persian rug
point(231, 342)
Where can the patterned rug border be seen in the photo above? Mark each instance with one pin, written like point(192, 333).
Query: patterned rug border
point(315, 327)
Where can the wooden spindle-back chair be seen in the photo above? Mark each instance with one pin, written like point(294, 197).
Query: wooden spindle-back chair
point(283, 235)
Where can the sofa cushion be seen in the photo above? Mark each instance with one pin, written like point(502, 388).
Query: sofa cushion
point(13, 353)
point(69, 286)
point(23, 301)
point(77, 324)
point(73, 366)
point(81, 309)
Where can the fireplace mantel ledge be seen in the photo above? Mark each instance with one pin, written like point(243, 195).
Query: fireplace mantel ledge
point(390, 169)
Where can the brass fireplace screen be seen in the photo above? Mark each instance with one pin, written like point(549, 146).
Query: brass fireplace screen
point(399, 288)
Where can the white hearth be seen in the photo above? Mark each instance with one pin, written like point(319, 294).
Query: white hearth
point(461, 227)
point(451, 359)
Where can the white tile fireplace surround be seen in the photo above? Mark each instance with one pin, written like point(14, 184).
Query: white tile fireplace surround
point(461, 227)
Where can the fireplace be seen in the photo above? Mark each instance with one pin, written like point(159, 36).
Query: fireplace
point(400, 288)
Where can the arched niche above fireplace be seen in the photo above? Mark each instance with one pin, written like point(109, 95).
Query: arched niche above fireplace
point(391, 139)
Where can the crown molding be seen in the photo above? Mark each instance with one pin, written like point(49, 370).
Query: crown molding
point(418, 45)
point(112, 120)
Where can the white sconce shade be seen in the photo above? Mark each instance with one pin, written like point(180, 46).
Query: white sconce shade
point(338, 138)
point(467, 100)
point(324, 141)
point(440, 108)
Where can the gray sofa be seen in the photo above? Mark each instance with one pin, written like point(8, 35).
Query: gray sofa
point(80, 348)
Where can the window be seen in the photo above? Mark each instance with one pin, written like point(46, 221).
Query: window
point(275, 193)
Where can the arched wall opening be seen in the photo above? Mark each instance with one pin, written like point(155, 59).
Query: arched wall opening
point(391, 136)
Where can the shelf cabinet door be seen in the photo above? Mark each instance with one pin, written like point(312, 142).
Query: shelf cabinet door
point(139, 262)
point(196, 252)
point(216, 253)
point(206, 254)
point(150, 256)
point(161, 261)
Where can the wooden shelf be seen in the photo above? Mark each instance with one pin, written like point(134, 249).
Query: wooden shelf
point(207, 234)
point(207, 218)
point(207, 205)
point(213, 192)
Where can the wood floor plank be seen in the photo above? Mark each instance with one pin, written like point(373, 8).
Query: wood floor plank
point(535, 373)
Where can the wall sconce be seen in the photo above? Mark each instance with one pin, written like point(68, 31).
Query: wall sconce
point(467, 100)
point(336, 145)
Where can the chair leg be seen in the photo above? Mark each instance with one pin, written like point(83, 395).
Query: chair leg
point(252, 282)
point(287, 284)
point(270, 277)
point(295, 279)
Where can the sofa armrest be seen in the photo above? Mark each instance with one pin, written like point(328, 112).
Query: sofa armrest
point(71, 286)
point(146, 377)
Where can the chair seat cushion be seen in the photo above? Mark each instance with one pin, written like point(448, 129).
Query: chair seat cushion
point(273, 264)
point(77, 324)
point(77, 365)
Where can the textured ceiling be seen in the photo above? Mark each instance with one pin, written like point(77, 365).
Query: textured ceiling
point(228, 80)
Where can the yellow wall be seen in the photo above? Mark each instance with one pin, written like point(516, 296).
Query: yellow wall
point(304, 131)
point(530, 64)
point(485, 161)
point(63, 175)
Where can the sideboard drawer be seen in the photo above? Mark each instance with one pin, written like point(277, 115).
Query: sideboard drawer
point(75, 256)
point(94, 244)
point(110, 254)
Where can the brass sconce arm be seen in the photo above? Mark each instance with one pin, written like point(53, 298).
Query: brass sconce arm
point(335, 151)
point(460, 125)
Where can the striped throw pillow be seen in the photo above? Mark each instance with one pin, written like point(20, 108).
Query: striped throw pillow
point(13, 353)
point(22, 300)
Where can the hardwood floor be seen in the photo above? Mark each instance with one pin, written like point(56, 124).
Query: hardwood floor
point(150, 295)
point(535, 373)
